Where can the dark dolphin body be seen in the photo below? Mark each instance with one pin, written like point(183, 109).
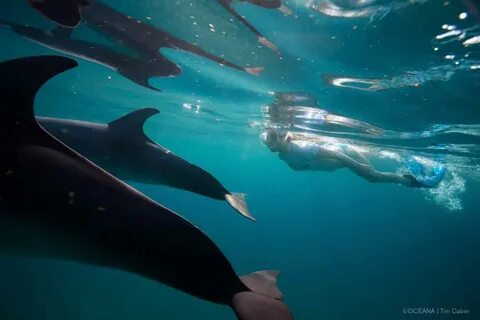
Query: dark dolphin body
point(137, 35)
point(142, 36)
point(66, 13)
point(138, 69)
point(57, 204)
point(274, 4)
point(122, 148)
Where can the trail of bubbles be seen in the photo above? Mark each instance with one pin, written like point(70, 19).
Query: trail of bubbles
point(449, 191)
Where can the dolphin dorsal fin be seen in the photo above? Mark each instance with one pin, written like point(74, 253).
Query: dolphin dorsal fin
point(20, 80)
point(132, 123)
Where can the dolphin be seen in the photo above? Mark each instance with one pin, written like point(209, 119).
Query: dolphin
point(138, 69)
point(123, 149)
point(274, 4)
point(55, 203)
point(130, 32)
point(227, 4)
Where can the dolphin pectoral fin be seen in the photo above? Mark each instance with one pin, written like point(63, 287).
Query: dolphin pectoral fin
point(238, 202)
point(263, 282)
point(66, 13)
point(132, 123)
point(263, 302)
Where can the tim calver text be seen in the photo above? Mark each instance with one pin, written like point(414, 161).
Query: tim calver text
point(436, 311)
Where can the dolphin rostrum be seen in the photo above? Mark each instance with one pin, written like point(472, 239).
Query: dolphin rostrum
point(123, 149)
point(57, 204)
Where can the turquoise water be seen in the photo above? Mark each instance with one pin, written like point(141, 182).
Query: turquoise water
point(347, 248)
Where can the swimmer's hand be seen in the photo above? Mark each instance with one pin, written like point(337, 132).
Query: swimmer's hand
point(268, 44)
point(255, 71)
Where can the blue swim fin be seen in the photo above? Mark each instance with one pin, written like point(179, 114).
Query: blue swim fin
point(425, 176)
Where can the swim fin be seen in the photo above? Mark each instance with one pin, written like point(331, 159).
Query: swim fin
point(238, 202)
point(423, 172)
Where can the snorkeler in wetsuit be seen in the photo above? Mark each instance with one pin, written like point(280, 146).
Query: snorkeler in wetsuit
point(269, 4)
point(313, 152)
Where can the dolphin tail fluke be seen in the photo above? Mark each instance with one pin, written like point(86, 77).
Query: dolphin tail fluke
point(285, 10)
point(263, 301)
point(263, 282)
point(239, 203)
point(267, 43)
point(255, 71)
point(66, 13)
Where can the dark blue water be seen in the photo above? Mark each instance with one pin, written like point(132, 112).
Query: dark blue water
point(347, 248)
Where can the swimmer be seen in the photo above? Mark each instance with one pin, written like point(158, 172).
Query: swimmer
point(318, 153)
point(273, 4)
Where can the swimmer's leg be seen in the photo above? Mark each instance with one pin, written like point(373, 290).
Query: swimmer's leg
point(366, 170)
point(372, 175)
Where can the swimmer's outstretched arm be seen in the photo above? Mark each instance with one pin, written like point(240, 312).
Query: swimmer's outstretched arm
point(354, 124)
point(365, 170)
point(179, 44)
